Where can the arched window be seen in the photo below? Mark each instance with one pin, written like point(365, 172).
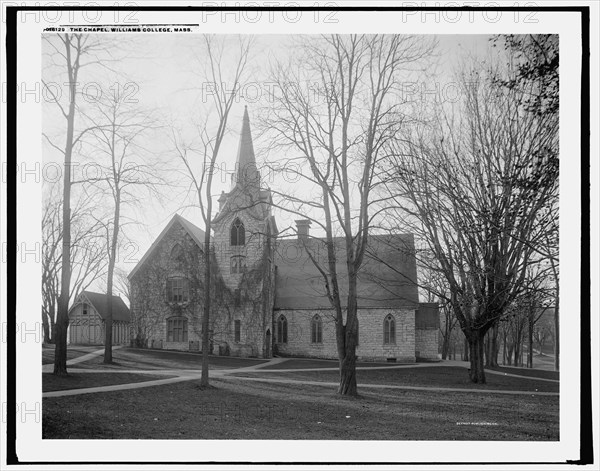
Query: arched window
point(316, 329)
point(177, 256)
point(389, 330)
point(238, 264)
point(237, 328)
point(282, 329)
point(238, 233)
point(178, 290)
point(177, 329)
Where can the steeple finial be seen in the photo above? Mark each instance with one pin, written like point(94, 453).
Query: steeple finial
point(246, 171)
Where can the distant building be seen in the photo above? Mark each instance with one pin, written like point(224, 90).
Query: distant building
point(267, 295)
point(87, 319)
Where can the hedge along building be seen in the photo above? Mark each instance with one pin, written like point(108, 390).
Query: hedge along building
point(268, 296)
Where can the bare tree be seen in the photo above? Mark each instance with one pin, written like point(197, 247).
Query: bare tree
point(126, 171)
point(86, 252)
point(69, 53)
point(537, 59)
point(337, 104)
point(206, 152)
point(477, 188)
point(122, 285)
point(537, 298)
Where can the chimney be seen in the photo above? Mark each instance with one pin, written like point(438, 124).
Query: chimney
point(302, 228)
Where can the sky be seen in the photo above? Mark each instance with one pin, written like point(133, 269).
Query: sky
point(165, 73)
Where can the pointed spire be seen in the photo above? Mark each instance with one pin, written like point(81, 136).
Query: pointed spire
point(246, 171)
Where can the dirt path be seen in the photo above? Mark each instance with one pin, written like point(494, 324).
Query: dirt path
point(394, 386)
point(49, 368)
point(188, 375)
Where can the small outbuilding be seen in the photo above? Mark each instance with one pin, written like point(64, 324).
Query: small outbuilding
point(87, 320)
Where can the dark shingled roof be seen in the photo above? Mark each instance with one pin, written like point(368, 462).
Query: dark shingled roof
point(98, 300)
point(386, 280)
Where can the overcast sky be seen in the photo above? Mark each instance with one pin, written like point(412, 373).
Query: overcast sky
point(164, 72)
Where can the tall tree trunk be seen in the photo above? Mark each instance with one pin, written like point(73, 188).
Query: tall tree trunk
point(521, 351)
point(466, 349)
point(556, 334)
point(52, 323)
point(530, 326)
point(348, 385)
point(108, 338)
point(204, 381)
point(487, 349)
point(503, 347)
point(45, 327)
point(492, 361)
point(62, 318)
point(476, 353)
point(445, 346)
point(446, 338)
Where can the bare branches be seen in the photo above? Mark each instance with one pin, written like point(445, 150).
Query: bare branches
point(337, 106)
point(480, 191)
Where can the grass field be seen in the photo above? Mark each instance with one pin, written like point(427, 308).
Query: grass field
point(234, 410)
point(435, 376)
point(91, 380)
point(72, 352)
point(134, 358)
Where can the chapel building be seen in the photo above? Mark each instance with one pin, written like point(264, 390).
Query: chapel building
point(267, 296)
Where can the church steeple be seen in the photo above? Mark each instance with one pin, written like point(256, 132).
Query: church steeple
point(246, 173)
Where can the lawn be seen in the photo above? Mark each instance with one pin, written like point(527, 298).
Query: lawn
point(301, 363)
point(534, 373)
point(134, 358)
point(237, 410)
point(433, 376)
point(92, 380)
point(72, 352)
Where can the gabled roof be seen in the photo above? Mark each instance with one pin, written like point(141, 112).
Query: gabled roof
point(387, 278)
point(99, 302)
point(195, 233)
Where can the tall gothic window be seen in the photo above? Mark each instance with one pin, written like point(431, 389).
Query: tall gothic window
point(178, 290)
point(389, 330)
point(177, 255)
point(316, 329)
point(237, 330)
point(238, 233)
point(282, 329)
point(177, 329)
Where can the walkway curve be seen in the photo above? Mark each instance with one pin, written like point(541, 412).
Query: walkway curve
point(390, 386)
point(188, 375)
